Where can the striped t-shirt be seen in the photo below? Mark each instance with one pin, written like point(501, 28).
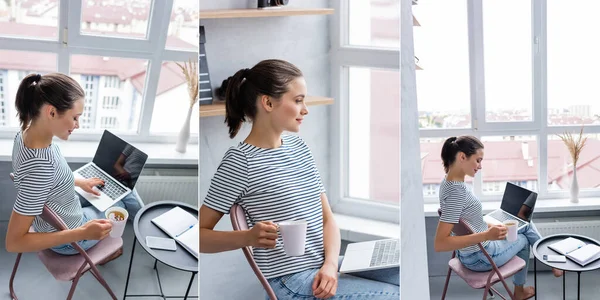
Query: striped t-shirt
point(42, 176)
point(458, 202)
point(275, 185)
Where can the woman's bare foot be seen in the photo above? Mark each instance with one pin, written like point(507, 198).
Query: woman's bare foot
point(557, 272)
point(522, 293)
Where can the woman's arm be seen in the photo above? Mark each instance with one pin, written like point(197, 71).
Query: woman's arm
point(331, 234)
point(445, 242)
point(263, 234)
point(19, 239)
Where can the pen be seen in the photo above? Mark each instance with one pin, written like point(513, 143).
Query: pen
point(185, 230)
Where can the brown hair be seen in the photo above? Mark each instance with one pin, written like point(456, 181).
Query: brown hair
point(453, 145)
point(56, 89)
point(269, 77)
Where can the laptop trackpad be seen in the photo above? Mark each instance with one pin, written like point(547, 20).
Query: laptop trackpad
point(357, 260)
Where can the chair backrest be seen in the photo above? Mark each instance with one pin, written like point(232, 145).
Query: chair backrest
point(461, 228)
point(238, 221)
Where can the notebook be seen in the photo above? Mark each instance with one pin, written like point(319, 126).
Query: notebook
point(182, 227)
point(577, 250)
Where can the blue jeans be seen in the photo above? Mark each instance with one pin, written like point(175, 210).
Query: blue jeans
point(132, 203)
point(502, 251)
point(381, 284)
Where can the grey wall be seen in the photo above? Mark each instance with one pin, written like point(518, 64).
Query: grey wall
point(233, 44)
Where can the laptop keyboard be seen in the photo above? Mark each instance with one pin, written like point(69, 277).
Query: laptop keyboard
point(110, 188)
point(386, 252)
point(503, 216)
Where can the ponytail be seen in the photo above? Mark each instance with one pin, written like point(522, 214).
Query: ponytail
point(237, 103)
point(27, 101)
point(453, 145)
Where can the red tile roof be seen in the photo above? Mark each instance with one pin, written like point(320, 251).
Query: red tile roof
point(503, 161)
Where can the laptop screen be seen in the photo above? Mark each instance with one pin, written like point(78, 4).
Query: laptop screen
point(518, 201)
point(119, 159)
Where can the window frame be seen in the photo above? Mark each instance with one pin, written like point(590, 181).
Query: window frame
point(538, 127)
point(71, 42)
point(343, 57)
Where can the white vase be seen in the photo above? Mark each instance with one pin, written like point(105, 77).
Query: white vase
point(184, 134)
point(574, 187)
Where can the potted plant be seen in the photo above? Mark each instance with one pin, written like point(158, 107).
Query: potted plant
point(574, 145)
point(190, 71)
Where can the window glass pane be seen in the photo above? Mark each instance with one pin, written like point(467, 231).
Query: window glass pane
point(14, 66)
point(560, 164)
point(183, 27)
point(113, 91)
point(507, 60)
point(374, 135)
point(29, 18)
point(573, 47)
point(374, 23)
point(509, 159)
point(172, 102)
point(117, 18)
point(443, 92)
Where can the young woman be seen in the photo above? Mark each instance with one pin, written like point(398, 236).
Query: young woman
point(462, 157)
point(274, 178)
point(50, 106)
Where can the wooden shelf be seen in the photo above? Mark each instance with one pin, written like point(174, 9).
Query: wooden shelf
point(258, 13)
point(415, 22)
point(218, 109)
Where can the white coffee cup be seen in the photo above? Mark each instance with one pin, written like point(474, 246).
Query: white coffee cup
point(118, 226)
point(294, 237)
point(511, 226)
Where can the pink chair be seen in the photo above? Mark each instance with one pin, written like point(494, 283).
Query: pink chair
point(71, 267)
point(238, 220)
point(480, 280)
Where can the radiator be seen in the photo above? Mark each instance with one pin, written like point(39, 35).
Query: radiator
point(589, 227)
point(159, 187)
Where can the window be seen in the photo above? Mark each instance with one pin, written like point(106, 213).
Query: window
point(518, 107)
point(572, 90)
point(443, 89)
point(183, 28)
point(373, 135)
point(374, 23)
point(507, 48)
point(366, 80)
point(172, 102)
point(112, 48)
point(30, 19)
point(127, 19)
point(109, 122)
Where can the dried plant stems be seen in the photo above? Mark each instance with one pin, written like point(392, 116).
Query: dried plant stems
point(574, 144)
point(190, 70)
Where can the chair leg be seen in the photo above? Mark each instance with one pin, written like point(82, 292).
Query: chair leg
point(12, 277)
point(103, 282)
point(446, 284)
point(73, 286)
point(487, 289)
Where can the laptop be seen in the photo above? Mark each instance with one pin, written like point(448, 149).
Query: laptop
point(517, 204)
point(372, 255)
point(118, 164)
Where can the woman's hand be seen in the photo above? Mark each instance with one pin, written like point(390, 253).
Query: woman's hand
point(96, 229)
point(88, 184)
point(325, 283)
point(496, 232)
point(263, 235)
